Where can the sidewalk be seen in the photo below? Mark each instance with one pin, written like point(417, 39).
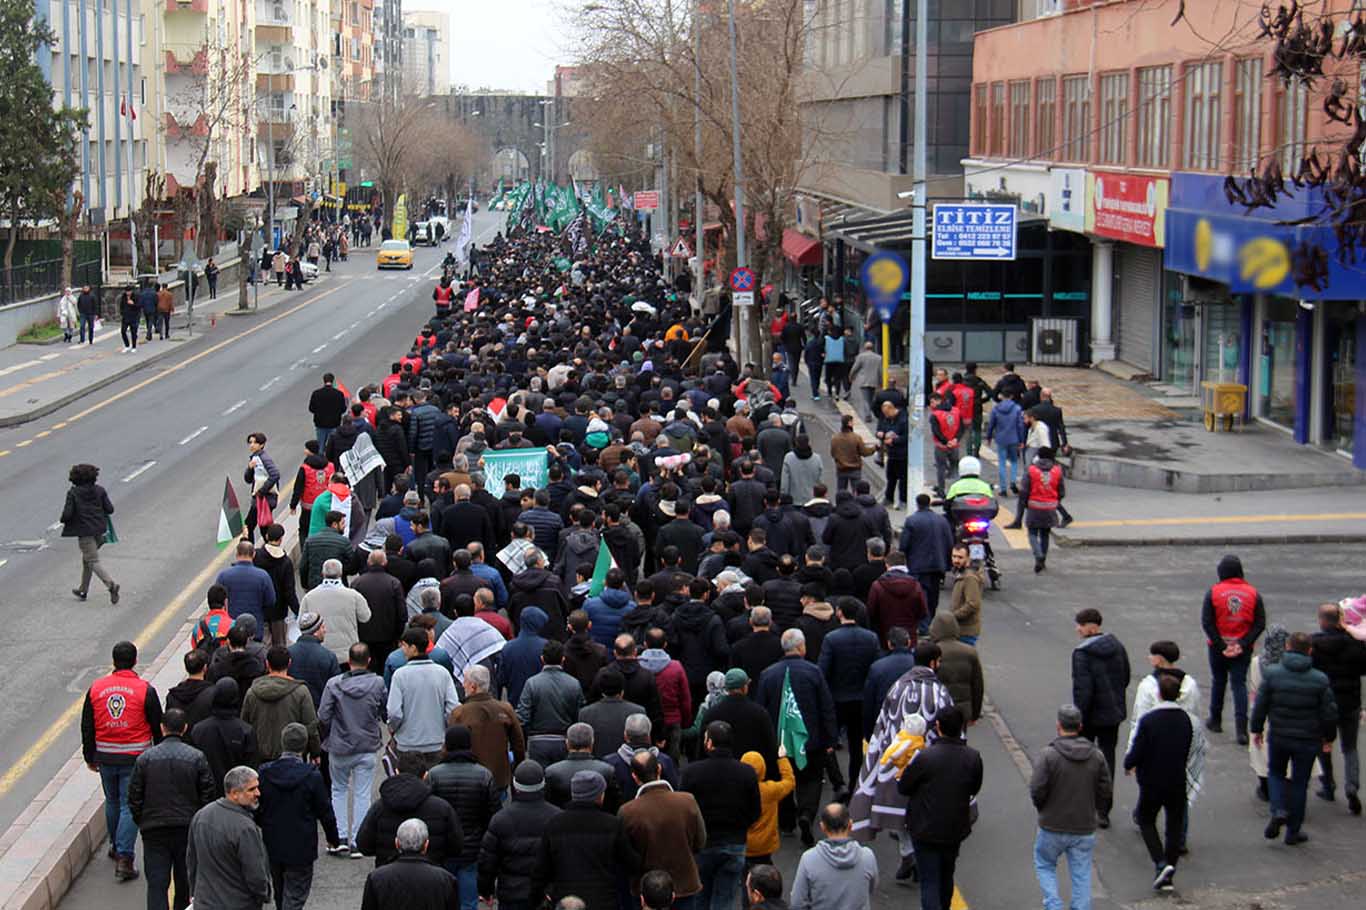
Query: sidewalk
point(38, 379)
point(1114, 515)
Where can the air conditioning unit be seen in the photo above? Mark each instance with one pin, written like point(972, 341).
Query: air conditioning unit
point(1054, 341)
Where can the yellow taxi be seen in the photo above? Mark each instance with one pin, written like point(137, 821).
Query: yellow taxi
point(395, 254)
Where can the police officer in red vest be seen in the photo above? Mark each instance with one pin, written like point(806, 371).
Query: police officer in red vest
point(945, 426)
point(1041, 492)
point(444, 296)
point(1233, 618)
point(121, 719)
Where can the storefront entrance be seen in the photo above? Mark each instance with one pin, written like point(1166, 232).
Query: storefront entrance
point(1340, 348)
point(1276, 393)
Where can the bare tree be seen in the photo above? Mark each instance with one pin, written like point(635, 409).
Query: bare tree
point(390, 140)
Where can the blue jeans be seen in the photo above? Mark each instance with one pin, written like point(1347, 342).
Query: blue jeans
point(1288, 795)
point(1007, 466)
point(968, 640)
point(87, 324)
point(323, 433)
point(354, 776)
point(1049, 846)
point(721, 869)
point(467, 879)
point(118, 819)
point(1230, 672)
point(936, 863)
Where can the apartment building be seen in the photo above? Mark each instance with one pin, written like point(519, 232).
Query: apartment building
point(387, 28)
point(857, 98)
point(1118, 129)
point(353, 77)
point(426, 52)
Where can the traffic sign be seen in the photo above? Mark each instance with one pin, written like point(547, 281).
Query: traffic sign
point(884, 279)
point(680, 250)
point(743, 279)
point(974, 230)
point(645, 200)
point(744, 298)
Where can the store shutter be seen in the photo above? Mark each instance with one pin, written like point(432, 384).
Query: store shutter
point(1139, 271)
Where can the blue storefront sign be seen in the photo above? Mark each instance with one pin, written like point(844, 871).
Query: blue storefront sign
point(974, 231)
point(1254, 251)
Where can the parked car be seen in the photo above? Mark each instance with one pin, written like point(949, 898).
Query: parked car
point(424, 234)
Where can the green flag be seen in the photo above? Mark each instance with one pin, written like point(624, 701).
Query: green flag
point(229, 516)
point(604, 563)
point(792, 734)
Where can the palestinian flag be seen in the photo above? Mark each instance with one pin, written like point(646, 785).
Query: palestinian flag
point(604, 563)
point(229, 516)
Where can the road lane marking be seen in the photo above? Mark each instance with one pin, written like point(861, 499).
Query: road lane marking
point(192, 436)
point(50, 356)
point(3, 563)
point(42, 434)
point(269, 384)
point(320, 347)
point(4, 453)
point(235, 407)
point(26, 442)
point(339, 335)
point(139, 472)
point(25, 763)
point(58, 426)
point(19, 366)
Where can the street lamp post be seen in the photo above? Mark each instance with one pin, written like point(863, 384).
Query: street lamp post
point(741, 253)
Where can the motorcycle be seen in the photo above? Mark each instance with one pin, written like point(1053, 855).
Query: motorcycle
point(971, 517)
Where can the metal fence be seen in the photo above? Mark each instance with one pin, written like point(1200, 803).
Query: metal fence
point(32, 280)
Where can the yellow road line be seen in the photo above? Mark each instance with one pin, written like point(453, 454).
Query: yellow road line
point(1217, 520)
point(4, 453)
point(1018, 538)
point(177, 604)
point(26, 442)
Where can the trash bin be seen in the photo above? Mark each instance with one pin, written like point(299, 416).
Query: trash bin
point(1222, 402)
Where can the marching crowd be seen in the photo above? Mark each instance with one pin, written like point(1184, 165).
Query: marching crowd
point(625, 678)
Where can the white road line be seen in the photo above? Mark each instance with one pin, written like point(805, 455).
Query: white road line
point(54, 526)
point(234, 407)
point(320, 347)
point(50, 356)
point(339, 335)
point(271, 383)
point(3, 563)
point(353, 325)
point(192, 435)
point(139, 472)
point(19, 366)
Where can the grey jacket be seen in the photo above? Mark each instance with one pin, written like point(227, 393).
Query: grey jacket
point(226, 859)
point(421, 696)
point(342, 611)
point(1071, 783)
point(835, 873)
point(550, 702)
point(867, 371)
point(800, 475)
point(351, 711)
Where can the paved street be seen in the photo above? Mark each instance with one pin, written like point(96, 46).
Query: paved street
point(165, 439)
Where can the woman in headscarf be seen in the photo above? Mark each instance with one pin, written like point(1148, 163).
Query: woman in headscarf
point(1273, 647)
point(716, 690)
point(67, 315)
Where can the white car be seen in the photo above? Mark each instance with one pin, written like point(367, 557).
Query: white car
point(308, 270)
point(444, 223)
point(424, 233)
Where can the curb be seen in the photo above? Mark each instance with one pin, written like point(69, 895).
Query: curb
point(1207, 541)
point(43, 410)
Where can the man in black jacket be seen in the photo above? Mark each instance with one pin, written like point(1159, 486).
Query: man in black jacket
point(940, 785)
point(584, 849)
point(751, 727)
point(470, 789)
point(225, 739)
point(326, 404)
point(727, 792)
point(758, 650)
point(1100, 678)
point(170, 783)
point(1343, 659)
point(410, 882)
point(512, 842)
point(1158, 756)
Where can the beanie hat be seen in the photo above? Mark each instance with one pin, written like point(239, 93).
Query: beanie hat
point(528, 778)
point(586, 785)
point(294, 738)
point(458, 738)
point(309, 623)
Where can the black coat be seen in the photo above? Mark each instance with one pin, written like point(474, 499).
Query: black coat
point(1160, 748)
point(760, 565)
point(225, 739)
point(583, 850)
point(464, 522)
point(86, 512)
point(327, 405)
point(170, 783)
point(687, 537)
point(1297, 701)
point(294, 801)
point(755, 653)
point(1100, 676)
point(697, 640)
point(388, 611)
point(474, 795)
point(727, 792)
point(783, 597)
point(846, 534)
point(410, 882)
point(512, 847)
point(940, 785)
point(751, 728)
point(392, 444)
point(746, 502)
point(1343, 659)
point(281, 572)
point(402, 797)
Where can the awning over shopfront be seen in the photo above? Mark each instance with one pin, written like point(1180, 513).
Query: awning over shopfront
point(1256, 251)
point(800, 249)
point(872, 233)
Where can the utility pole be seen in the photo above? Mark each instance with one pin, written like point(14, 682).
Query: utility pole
point(915, 367)
point(744, 316)
point(700, 273)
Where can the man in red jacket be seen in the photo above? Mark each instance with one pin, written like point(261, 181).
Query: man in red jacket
point(896, 599)
point(121, 719)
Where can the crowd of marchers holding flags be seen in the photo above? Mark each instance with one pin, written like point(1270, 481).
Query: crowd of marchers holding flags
point(571, 583)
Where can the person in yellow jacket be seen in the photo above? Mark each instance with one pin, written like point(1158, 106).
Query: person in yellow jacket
point(762, 841)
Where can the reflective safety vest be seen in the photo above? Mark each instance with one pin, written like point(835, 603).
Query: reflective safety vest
point(965, 398)
point(444, 296)
point(1235, 607)
point(119, 701)
point(1043, 488)
point(315, 481)
point(948, 425)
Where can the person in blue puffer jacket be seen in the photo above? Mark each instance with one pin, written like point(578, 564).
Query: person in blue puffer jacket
point(607, 609)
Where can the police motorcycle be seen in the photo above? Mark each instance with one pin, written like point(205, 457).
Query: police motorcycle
point(970, 506)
